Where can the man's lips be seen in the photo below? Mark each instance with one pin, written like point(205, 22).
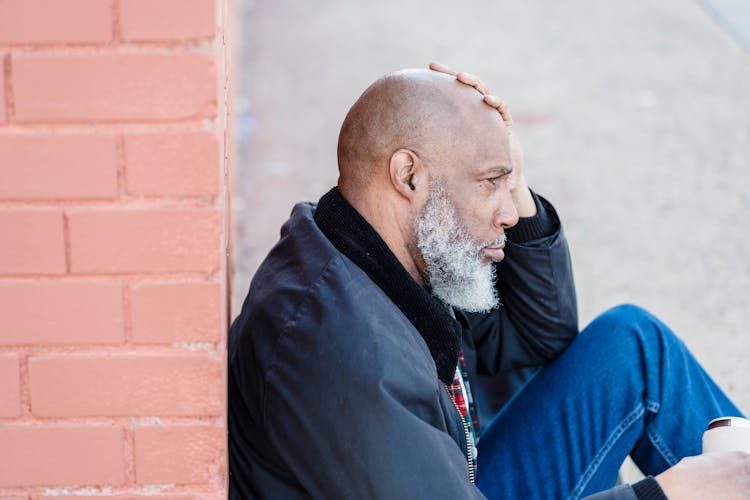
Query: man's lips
point(495, 252)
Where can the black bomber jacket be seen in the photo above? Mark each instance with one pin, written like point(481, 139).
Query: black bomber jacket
point(338, 361)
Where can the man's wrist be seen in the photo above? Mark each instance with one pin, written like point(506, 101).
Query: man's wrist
point(541, 225)
point(523, 200)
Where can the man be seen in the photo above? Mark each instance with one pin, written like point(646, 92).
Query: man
point(432, 267)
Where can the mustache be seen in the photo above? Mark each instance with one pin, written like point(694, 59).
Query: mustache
point(492, 243)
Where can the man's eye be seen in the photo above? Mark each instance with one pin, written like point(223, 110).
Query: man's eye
point(493, 181)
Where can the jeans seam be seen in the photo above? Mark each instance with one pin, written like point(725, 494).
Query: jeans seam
point(632, 417)
point(661, 447)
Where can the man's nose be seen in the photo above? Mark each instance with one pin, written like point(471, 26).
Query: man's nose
point(506, 216)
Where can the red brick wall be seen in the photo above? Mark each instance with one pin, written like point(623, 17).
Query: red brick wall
point(113, 272)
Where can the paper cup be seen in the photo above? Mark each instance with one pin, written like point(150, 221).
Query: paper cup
point(727, 434)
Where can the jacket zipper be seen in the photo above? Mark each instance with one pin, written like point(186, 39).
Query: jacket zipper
point(469, 457)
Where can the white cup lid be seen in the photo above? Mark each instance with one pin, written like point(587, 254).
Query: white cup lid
point(728, 422)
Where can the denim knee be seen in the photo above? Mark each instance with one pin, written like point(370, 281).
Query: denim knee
point(627, 313)
point(626, 322)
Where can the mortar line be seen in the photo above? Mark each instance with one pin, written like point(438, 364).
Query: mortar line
point(127, 308)
point(120, 161)
point(10, 105)
point(23, 366)
point(67, 244)
point(116, 23)
point(130, 452)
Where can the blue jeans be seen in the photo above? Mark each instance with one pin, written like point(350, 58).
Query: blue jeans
point(626, 386)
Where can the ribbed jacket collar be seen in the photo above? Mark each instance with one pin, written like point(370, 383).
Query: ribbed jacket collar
point(353, 236)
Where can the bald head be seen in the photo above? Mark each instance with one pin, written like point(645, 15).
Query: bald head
point(429, 113)
point(420, 146)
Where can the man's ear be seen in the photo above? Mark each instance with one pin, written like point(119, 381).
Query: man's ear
point(406, 172)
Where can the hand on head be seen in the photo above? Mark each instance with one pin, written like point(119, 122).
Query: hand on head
point(521, 196)
point(473, 81)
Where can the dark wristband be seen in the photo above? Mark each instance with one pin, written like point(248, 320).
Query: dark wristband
point(649, 489)
point(544, 223)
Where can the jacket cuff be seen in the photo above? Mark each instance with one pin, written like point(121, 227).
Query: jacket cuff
point(545, 223)
point(649, 489)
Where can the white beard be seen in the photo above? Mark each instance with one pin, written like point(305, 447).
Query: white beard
point(455, 266)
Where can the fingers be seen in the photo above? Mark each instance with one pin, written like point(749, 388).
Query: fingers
point(462, 76)
point(472, 80)
point(499, 105)
point(436, 66)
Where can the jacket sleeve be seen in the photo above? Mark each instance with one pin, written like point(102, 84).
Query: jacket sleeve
point(538, 317)
point(621, 492)
point(354, 408)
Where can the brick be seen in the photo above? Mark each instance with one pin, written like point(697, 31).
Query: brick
point(167, 19)
point(10, 386)
point(176, 312)
point(62, 455)
point(14, 498)
point(57, 166)
point(125, 385)
point(54, 312)
point(45, 21)
point(127, 241)
point(177, 454)
point(33, 242)
point(181, 164)
point(113, 87)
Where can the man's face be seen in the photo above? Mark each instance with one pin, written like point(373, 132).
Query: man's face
point(455, 265)
point(461, 226)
